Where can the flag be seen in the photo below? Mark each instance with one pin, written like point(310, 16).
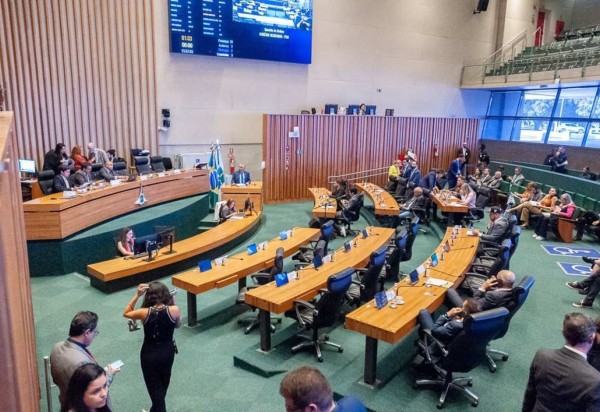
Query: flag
point(215, 165)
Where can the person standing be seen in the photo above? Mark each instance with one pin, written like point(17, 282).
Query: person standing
point(97, 155)
point(68, 355)
point(455, 170)
point(466, 153)
point(562, 379)
point(55, 158)
point(160, 316)
point(482, 156)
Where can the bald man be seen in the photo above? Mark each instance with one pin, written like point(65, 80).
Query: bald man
point(240, 176)
point(493, 293)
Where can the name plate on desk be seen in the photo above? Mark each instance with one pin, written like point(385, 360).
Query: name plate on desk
point(281, 279)
point(161, 174)
point(115, 182)
point(176, 171)
point(69, 194)
point(143, 177)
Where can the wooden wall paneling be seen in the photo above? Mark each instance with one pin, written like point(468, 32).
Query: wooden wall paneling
point(77, 71)
point(334, 145)
point(19, 377)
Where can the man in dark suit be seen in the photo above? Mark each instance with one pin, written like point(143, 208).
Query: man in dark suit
point(61, 180)
point(497, 227)
point(417, 201)
point(107, 173)
point(240, 176)
point(83, 177)
point(493, 293)
point(71, 353)
point(455, 170)
point(562, 379)
point(466, 153)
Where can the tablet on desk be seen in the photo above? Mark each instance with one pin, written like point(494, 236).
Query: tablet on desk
point(414, 277)
point(381, 299)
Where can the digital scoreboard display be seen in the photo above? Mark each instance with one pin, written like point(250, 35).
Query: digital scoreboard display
point(278, 30)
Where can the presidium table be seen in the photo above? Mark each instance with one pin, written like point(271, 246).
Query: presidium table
point(239, 194)
point(270, 298)
point(55, 217)
point(392, 323)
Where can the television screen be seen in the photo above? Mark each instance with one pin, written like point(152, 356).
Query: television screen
point(331, 109)
point(353, 109)
point(27, 166)
point(371, 110)
point(278, 30)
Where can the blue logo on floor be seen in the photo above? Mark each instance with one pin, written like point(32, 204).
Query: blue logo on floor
point(575, 269)
point(573, 251)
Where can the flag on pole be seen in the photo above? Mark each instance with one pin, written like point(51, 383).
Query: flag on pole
point(217, 177)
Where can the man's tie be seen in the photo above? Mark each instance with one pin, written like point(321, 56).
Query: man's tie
point(242, 178)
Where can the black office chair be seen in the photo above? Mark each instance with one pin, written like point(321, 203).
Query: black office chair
point(465, 352)
point(305, 253)
point(259, 279)
point(475, 214)
point(396, 254)
point(120, 168)
point(167, 163)
point(351, 215)
point(142, 165)
point(519, 295)
point(364, 287)
point(45, 178)
point(324, 313)
point(96, 170)
point(413, 231)
point(157, 165)
point(485, 267)
point(514, 239)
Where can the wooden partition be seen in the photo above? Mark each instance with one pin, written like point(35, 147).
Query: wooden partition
point(334, 144)
point(78, 71)
point(19, 377)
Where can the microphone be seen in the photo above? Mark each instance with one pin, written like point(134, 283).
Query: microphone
point(235, 258)
point(445, 273)
point(462, 248)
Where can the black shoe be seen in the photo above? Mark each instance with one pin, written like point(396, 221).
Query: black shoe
point(578, 238)
point(582, 304)
point(574, 285)
point(588, 260)
point(583, 291)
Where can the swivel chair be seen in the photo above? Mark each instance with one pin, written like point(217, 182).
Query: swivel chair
point(167, 163)
point(465, 352)
point(324, 313)
point(45, 178)
point(350, 216)
point(157, 165)
point(514, 239)
point(519, 295)
point(364, 288)
point(142, 165)
point(413, 230)
point(396, 254)
point(305, 252)
point(485, 267)
point(96, 170)
point(259, 279)
point(120, 168)
point(475, 214)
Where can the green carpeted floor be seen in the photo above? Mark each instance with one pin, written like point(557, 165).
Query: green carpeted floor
point(205, 378)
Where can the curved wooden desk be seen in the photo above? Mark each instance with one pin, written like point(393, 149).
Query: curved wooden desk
point(384, 203)
point(448, 204)
point(240, 194)
point(270, 298)
point(391, 325)
point(325, 206)
point(103, 273)
point(237, 268)
point(53, 217)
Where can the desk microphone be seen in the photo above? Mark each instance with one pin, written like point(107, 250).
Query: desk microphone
point(462, 248)
point(445, 273)
point(235, 258)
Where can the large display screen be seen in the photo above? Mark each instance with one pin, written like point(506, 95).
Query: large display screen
point(279, 30)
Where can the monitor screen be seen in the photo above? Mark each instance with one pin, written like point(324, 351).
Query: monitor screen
point(414, 277)
point(140, 243)
point(27, 166)
point(371, 110)
point(278, 30)
point(331, 109)
point(353, 109)
point(165, 235)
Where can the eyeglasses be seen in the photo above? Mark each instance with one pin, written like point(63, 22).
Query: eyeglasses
point(95, 332)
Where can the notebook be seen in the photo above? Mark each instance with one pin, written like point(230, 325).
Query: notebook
point(317, 261)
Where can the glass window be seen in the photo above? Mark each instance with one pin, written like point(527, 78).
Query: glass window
point(596, 111)
point(575, 103)
point(497, 129)
point(504, 103)
point(538, 103)
point(567, 133)
point(593, 137)
point(530, 130)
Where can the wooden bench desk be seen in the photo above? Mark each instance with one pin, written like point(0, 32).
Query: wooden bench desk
point(325, 205)
point(270, 298)
point(102, 273)
point(449, 205)
point(391, 325)
point(54, 217)
point(384, 203)
point(237, 268)
point(239, 194)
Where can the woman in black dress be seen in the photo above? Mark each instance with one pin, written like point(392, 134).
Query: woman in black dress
point(160, 317)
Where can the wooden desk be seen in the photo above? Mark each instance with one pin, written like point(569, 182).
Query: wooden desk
point(450, 205)
point(270, 298)
point(240, 194)
point(384, 203)
point(111, 270)
point(52, 217)
point(391, 325)
point(33, 187)
point(237, 268)
point(325, 206)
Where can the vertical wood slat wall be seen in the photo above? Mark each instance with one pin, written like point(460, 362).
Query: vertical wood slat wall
point(333, 145)
point(19, 378)
point(79, 71)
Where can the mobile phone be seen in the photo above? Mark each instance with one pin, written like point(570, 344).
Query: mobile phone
point(117, 364)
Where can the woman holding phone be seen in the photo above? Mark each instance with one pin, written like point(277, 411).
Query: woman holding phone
point(160, 316)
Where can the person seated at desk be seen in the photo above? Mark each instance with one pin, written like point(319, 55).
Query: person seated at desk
point(107, 173)
point(55, 158)
point(550, 219)
point(126, 241)
point(83, 177)
point(61, 180)
point(240, 176)
point(340, 192)
point(517, 178)
point(496, 229)
point(77, 156)
point(532, 207)
point(494, 293)
point(532, 193)
point(417, 201)
point(227, 210)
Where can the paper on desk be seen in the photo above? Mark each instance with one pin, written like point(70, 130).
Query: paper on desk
point(236, 217)
point(439, 282)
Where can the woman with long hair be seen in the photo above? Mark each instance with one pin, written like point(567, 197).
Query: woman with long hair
point(126, 241)
point(160, 316)
point(78, 157)
point(88, 389)
point(566, 209)
point(227, 210)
